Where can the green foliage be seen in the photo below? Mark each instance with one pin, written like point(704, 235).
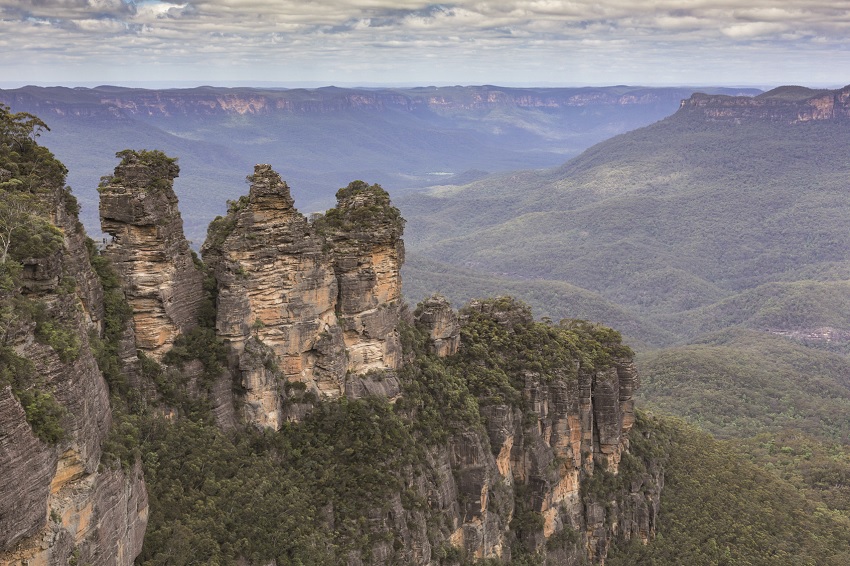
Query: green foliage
point(525, 524)
point(553, 299)
point(362, 208)
point(436, 398)
point(272, 495)
point(30, 168)
point(43, 412)
point(717, 508)
point(742, 383)
point(698, 214)
point(222, 226)
point(201, 344)
point(786, 405)
point(501, 345)
point(318, 489)
point(64, 341)
point(117, 313)
point(162, 169)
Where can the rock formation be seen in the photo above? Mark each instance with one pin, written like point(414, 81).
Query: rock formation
point(571, 427)
point(364, 232)
point(56, 499)
point(436, 316)
point(784, 104)
point(138, 208)
point(305, 303)
point(307, 310)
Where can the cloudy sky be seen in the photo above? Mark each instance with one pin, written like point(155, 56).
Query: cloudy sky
point(346, 42)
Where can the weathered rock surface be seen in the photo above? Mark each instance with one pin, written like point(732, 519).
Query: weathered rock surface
point(306, 303)
point(784, 104)
point(55, 501)
point(276, 292)
point(536, 461)
point(436, 316)
point(27, 471)
point(365, 235)
point(138, 208)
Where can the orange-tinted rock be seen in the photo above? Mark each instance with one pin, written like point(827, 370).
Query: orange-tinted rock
point(138, 208)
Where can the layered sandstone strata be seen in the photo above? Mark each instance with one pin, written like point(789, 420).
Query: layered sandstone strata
point(57, 501)
point(302, 305)
point(138, 209)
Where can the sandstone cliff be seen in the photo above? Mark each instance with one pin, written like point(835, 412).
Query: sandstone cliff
point(138, 208)
point(784, 104)
point(115, 103)
point(541, 451)
point(302, 305)
point(56, 500)
point(486, 436)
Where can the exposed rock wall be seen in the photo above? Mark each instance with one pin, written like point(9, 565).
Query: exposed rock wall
point(364, 231)
point(537, 460)
point(276, 293)
point(138, 208)
point(784, 104)
point(55, 500)
point(436, 316)
point(305, 303)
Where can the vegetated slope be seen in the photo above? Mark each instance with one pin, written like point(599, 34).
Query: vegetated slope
point(740, 383)
point(551, 299)
point(324, 138)
point(672, 217)
point(784, 404)
point(719, 509)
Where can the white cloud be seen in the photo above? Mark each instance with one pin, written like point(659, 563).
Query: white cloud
point(754, 29)
point(332, 35)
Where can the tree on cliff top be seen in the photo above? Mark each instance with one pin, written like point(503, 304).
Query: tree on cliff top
point(25, 165)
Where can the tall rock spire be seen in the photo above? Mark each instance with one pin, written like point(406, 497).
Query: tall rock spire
point(138, 208)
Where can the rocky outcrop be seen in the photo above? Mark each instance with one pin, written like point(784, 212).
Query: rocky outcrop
point(536, 471)
point(436, 316)
point(306, 303)
point(56, 500)
point(364, 232)
point(787, 104)
point(276, 298)
point(27, 471)
point(138, 208)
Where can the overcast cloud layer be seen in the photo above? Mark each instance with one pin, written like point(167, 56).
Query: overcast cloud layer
point(752, 42)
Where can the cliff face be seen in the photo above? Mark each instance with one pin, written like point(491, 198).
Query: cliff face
point(302, 305)
point(138, 208)
point(56, 501)
point(115, 102)
point(517, 431)
point(276, 298)
point(364, 233)
point(785, 104)
point(572, 428)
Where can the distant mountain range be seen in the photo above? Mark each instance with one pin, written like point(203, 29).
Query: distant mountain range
point(712, 217)
point(321, 139)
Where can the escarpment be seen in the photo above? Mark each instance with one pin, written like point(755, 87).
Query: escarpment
point(138, 209)
point(787, 104)
point(552, 431)
point(58, 503)
point(431, 437)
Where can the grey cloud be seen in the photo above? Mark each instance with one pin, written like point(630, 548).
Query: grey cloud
point(347, 33)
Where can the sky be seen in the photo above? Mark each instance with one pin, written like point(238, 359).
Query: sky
point(411, 42)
